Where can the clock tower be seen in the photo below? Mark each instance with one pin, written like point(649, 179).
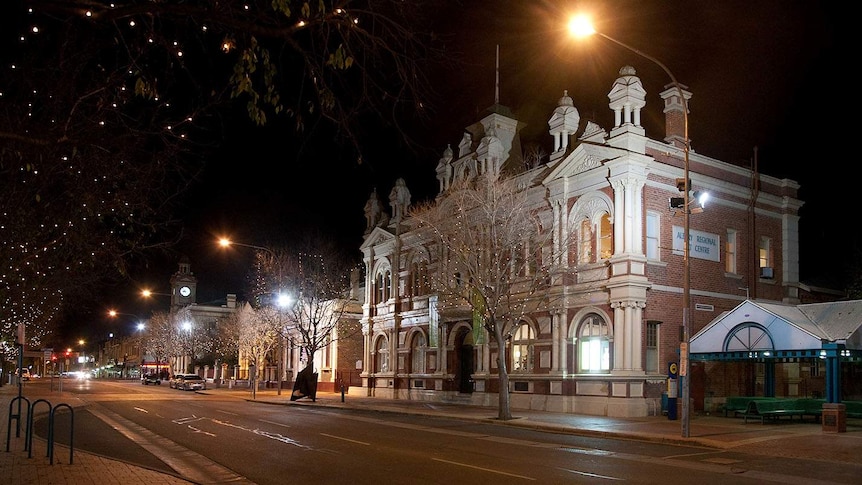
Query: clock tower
point(183, 285)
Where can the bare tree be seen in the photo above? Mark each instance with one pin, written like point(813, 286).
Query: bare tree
point(160, 337)
point(315, 276)
point(259, 334)
point(109, 110)
point(492, 261)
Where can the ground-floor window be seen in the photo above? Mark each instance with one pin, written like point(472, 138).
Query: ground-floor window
point(594, 345)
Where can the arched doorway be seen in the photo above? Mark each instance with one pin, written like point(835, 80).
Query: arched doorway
point(464, 351)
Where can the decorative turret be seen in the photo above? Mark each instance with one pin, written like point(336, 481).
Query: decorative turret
point(563, 124)
point(674, 115)
point(627, 98)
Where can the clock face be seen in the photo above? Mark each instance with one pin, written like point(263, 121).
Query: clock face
point(185, 291)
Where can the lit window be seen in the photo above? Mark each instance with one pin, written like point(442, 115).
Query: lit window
point(765, 252)
point(585, 248)
point(594, 350)
point(606, 237)
point(730, 252)
point(522, 344)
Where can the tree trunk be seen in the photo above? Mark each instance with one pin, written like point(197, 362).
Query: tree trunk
point(504, 412)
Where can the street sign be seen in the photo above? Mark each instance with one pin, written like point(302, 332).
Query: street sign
point(47, 353)
point(683, 359)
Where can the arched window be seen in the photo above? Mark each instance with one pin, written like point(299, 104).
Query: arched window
point(383, 286)
point(585, 239)
point(522, 349)
point(594, 345)
point(605, 243)
point(419, 278)
point(381, 356)
point(417, 353)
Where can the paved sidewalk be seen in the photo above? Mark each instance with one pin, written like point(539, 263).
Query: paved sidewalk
point(23, 467)
point(800, 439)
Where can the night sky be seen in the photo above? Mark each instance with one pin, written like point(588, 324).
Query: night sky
point(764, 74)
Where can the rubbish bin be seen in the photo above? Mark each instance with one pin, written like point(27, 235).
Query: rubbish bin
point(834, 417)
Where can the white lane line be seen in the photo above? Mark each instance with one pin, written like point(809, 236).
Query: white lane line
point(591, 475)
point(484, 469)
point(141, 410)
point(345, 439)
point(277, 424)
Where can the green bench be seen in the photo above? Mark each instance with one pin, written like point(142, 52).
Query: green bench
point(738, 404)
point(772, 409)
point(853, 408)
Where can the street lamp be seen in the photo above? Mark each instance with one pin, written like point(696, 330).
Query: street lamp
point(224, 242)
point(581, 27)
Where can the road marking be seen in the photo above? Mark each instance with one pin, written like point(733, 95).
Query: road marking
point(141, 410)
point(227, 412)
point(483, 469)
point(277, 424)
point(592, 475)
point(345, 439)
point(190, 465)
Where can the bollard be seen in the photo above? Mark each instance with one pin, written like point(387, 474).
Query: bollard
point(342, 392)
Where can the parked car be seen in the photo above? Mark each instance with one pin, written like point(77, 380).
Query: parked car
point(172, 382)
point(191, 382)
point(23, 373)
point(151, 378)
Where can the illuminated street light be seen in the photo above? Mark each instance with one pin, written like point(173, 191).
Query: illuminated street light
point(225, 242)
point(580, 26)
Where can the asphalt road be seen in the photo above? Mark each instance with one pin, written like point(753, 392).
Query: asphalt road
point(219, 438)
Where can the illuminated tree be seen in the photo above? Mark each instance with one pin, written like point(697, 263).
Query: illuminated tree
point(259, 331)
point(108, 109)
point(494, 259)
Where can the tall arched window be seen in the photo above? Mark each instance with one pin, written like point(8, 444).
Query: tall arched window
point(417, 353)
point(384, 285)
point(381, 356)
point(594, 345)
point(522, 349)
point(585, 239)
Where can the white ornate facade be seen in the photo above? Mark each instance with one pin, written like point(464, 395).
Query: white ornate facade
point(605, 345)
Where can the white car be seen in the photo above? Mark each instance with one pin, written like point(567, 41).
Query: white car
point(191, 382)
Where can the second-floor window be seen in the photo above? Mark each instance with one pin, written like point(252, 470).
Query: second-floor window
point(652, 236)
point(384, 286)
point(765, 253)
point(730, 252)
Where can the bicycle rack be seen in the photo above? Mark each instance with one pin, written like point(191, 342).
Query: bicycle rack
point(71, 433)
point(16, 417)
point(28, 436)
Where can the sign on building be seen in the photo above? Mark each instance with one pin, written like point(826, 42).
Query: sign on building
point(703, 245)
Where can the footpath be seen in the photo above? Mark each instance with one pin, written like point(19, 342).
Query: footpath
point(790, 439)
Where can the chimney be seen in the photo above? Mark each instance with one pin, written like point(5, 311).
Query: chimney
point(674, 117)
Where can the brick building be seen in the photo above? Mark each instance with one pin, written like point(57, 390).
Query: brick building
point(615, 259)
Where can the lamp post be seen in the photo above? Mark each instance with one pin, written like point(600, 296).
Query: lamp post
point(581, 26)
point(225, 242)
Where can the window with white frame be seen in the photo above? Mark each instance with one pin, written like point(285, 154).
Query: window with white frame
point(765, 252)
point(381, 356)
point(594, 345)
point(652, 236)
point(417, 353)
point(730, 251)
point(384, 285)
point(652, 328)
point(522, 346)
